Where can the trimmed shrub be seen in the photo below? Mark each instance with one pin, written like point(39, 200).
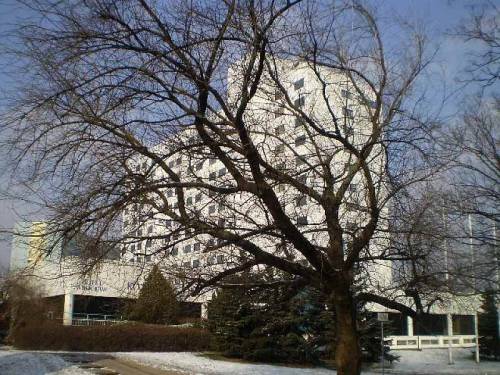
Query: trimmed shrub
point(119, 337)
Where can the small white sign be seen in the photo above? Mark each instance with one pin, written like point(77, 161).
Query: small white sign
point(383, 317)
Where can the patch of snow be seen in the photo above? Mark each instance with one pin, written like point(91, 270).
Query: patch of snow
point(412, 362)
point(14, 362)
point(435, 361)
point(196, 364)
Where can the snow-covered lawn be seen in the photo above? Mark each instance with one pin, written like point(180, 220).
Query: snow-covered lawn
point(426, 362)
point(194, 363)
point(35, 363)
point(433, 361)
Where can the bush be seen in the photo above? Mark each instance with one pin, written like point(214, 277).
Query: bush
point(119, 337)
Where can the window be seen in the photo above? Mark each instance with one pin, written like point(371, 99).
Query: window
point(187, 249)
point(197, 246)
point(298, 84)
point(299, 161)
point(199, 166)
point(299, 121)
point(220, 259)
point(347, 112)
point(148, 258)
point(170, 193)
point(221, 223)
point(302, 220)
point(350, 226)
point(300, 101)
point(279, 129)
point(171, 164)
point(222, 172)
point(211, 242)
point(300, 140)
point(345, 94)
point(139, 232)
point(175, 205)
point(301, 201)
point(196, 263)
point(149, 241)
point(279, 112)
point(279, 149)
point(221, 207)
point(349, 131)
point(211, 209)
point(278, 94)
point(168, 223)
point(144, 165)
point(353, 188)
point(281, 166)
point(178, 161)
point(150, 229)
point(189, 201)
point(197, 198)
point(139, 246)
point(212, 176)
point(186, 264)
point(174, 251)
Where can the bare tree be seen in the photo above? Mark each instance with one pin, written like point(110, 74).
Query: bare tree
point(129, 101)
point(440, 258)
point(482, 28)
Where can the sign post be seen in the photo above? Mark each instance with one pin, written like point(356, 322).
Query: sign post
point(382, 317)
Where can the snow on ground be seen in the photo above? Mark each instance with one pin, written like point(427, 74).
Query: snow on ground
point(414, 362)
point(433, 361)
point(193, 363)
point(13, 362)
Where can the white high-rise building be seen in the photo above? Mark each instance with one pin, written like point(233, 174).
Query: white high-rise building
point(285, 142)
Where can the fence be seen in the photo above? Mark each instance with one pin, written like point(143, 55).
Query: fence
point(421, 342)
point(95, 319)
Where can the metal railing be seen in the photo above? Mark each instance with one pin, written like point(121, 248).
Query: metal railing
point(421, 342)
point(95, 319)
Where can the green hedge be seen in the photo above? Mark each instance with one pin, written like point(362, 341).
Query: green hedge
point(119, 337)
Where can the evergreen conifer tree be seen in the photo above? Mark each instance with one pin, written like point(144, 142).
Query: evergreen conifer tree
point(157, 303)
point(489, 339)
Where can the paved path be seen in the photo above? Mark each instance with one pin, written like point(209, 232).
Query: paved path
point(103, 364)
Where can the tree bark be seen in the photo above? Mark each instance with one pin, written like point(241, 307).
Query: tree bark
point(347, 350)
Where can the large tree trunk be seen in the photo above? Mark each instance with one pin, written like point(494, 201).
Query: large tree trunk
point(348, 350)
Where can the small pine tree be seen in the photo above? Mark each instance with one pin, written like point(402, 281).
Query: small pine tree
point(489, 340)
point(157, 303)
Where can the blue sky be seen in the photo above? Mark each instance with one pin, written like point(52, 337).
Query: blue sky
point(439, 16)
